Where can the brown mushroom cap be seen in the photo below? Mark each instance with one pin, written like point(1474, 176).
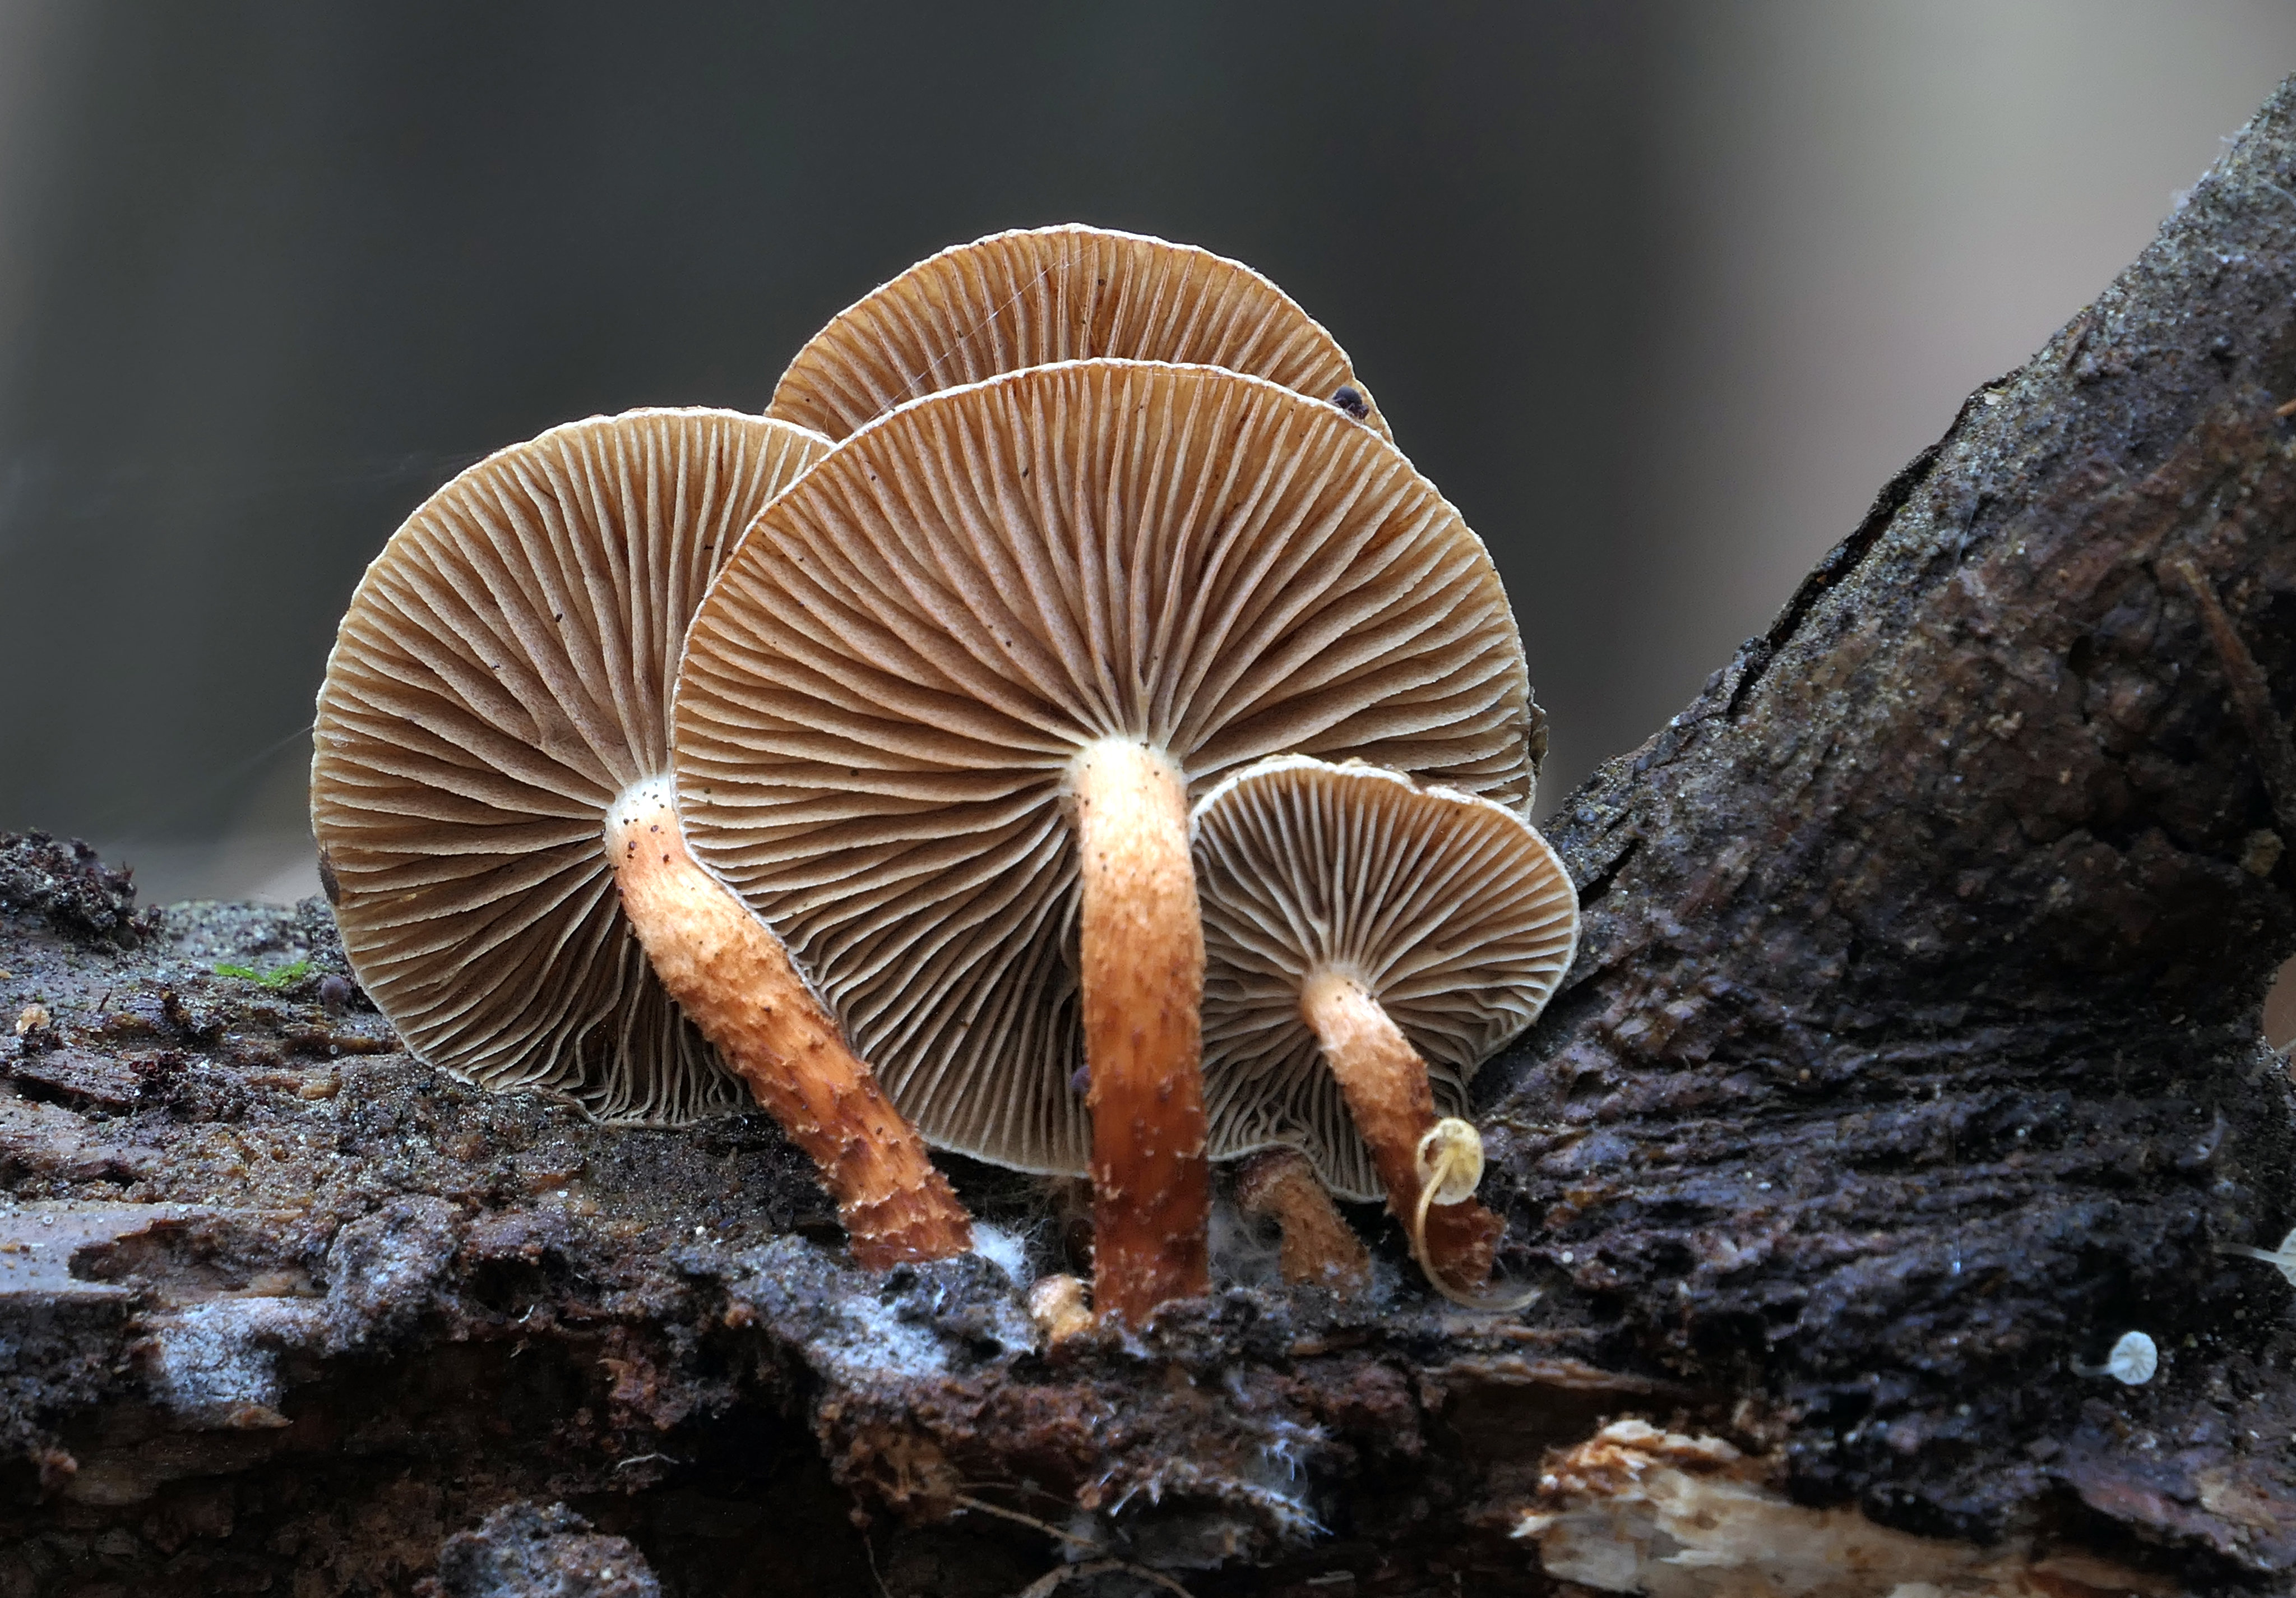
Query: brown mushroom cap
point(886, 692)
point(505, 672)
point(1037, 296)
point(1450, 910)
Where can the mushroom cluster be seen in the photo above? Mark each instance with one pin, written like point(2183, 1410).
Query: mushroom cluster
point(1063, 729)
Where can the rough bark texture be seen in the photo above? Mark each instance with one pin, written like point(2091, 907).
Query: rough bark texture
point(1913, 1048)
point(1911, 1057)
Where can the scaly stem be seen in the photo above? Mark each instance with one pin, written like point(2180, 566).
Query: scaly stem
point(734, 978)
point(1143, 983)
point(1318, 1248)
point(1385, 1084)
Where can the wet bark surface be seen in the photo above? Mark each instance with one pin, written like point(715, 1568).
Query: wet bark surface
point(1911, 1059)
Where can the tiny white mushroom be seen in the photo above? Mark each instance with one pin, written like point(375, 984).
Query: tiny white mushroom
point(2132, 1361)
point(2281, 1259)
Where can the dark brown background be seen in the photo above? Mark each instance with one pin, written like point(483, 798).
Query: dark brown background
point(1659, 294)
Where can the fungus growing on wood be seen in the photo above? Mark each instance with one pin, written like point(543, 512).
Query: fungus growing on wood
point(2281, 1259)
point(1035, 296)
point(1317, 1249)
point(941, 716)
point(490, 794)
point(2132, 1361)
point(1369, 943)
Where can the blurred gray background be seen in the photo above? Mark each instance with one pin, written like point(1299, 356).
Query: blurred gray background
point(1659, 294)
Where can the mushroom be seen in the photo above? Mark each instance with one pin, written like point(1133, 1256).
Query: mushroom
point(1034, 296)
point(941, 716)
point(2281, 1259)
point(1369, 943)
point(1316, 1248)
point(1057, 1305)
point(491, 795)
point(2132, 1361)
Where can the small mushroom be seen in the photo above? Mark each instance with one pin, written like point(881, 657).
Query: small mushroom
point(491, 795)
point(1034, 296)
point(1317, 1249)
point(941, 716)
point(1368, 943)
point(2132, 1361)
point(2281, 1259)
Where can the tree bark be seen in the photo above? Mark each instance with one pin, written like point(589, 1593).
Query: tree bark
point(1910, 1061)
point(1912, 1050)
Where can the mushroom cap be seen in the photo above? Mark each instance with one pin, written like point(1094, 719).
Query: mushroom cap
point(503, 672)
point(1449, 910)
point(884, 693)
point(1034, 296)
point(2134, 1360)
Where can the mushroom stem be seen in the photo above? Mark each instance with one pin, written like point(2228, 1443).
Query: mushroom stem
point(733, 977)
point(1318, 1249)
point(1385, 1084)
point(1143, 981)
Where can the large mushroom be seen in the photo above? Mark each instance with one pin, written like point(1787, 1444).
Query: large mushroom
point(1034, 296)
point(941, 716)
point(491, 795)
point(1370, 943)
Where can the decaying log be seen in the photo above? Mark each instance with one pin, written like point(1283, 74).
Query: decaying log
point(1911, 1061)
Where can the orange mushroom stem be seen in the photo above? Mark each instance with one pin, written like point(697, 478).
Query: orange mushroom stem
point(1385, 1084)
point(1318, 1249)
point(733, 977)
point(1142, 946)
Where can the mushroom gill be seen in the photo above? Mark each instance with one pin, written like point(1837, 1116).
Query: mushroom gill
point(492, 739)
point(1370, 943)
point(942, 715)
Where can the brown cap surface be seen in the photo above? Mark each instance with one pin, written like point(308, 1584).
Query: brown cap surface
point(503, 672)
point(886, 692)
point(1448, 909)
point(1037, 296)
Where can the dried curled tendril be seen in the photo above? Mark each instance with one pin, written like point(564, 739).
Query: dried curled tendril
point(1450, 1159)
